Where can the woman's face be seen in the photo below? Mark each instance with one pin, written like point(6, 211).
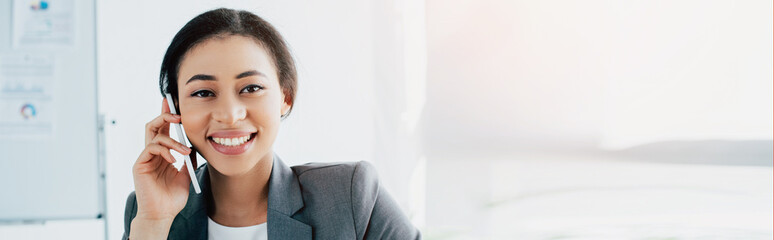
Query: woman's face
point(230, 102)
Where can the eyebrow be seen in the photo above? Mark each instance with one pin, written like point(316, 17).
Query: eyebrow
point(205, 77)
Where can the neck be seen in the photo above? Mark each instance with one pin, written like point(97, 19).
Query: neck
point(241, 200)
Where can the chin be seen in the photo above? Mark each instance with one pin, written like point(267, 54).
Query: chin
point(235, 165)
point(232, 169)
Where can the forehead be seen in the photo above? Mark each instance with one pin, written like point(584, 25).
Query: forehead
point(225, 57)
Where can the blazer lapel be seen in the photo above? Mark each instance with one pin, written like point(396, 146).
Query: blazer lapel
point(284, 201)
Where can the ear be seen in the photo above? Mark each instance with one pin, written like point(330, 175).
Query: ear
point(285, 106)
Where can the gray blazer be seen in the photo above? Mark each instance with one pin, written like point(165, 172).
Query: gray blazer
point(311, 201)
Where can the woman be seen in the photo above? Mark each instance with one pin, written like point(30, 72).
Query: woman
point(233, 80)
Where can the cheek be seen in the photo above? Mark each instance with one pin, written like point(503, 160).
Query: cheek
point(262, 111)
point(194, 121)
point(268, 106)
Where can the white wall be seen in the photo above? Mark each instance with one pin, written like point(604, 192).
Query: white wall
point(504, 75)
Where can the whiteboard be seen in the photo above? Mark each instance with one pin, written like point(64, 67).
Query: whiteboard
point(50, 165)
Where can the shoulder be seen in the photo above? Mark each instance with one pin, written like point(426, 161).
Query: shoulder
point(130, 211)
point(338, 180)
point(354, 182)
point(359, 171)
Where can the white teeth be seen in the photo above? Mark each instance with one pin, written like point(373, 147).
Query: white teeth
point(231, 141)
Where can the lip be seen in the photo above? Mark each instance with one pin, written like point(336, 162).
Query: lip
point(232, 150)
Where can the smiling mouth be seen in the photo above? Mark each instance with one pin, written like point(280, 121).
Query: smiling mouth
point(232, 142)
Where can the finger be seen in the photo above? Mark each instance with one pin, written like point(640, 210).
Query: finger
point(159, 150)
point(171, 144)
point(164, 153)
point(148, 160)
point(165, 106)
point(161, 120)
point(155, 126)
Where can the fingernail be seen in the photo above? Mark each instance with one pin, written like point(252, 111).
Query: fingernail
point(176, 116)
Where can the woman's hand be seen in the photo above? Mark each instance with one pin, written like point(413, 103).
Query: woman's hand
point(161, 190)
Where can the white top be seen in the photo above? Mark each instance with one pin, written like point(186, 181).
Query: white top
point(216, 231)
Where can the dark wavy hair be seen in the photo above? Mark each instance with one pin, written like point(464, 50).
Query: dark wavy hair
point(224, 22)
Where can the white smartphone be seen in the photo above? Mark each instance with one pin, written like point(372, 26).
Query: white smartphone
point(181, 138)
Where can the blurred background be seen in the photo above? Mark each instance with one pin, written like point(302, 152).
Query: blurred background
point(492, 119)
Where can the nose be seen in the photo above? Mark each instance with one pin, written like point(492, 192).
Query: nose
point(229, 111)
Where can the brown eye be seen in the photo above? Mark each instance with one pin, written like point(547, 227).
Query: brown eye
point(202, 94)
point(251, 88)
